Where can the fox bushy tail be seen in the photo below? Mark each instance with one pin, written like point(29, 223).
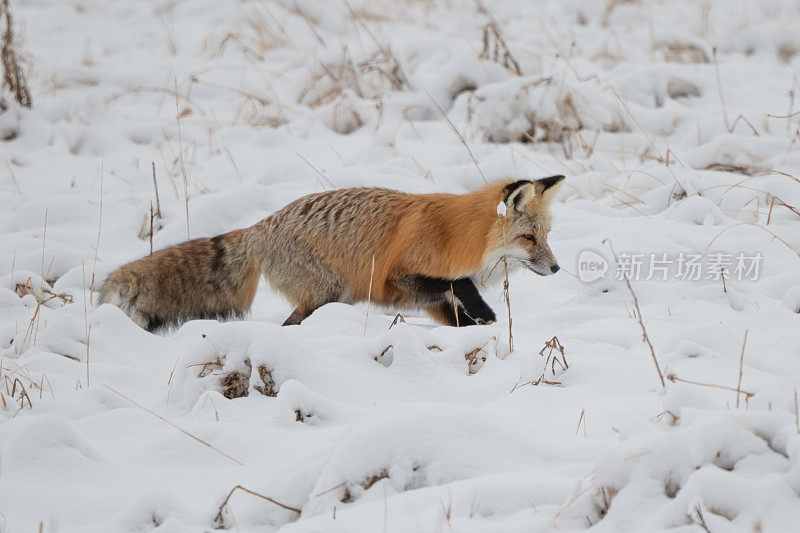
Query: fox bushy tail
point(212, 277)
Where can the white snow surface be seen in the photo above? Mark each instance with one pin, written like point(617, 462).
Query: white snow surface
point(669, 120)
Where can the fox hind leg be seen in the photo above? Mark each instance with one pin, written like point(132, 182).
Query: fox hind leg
point(297, 316)
point(302, 312)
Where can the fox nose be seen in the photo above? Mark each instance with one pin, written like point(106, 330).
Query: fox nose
point(555, 268)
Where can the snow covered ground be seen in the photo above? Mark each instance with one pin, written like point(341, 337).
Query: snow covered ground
point(668, 147)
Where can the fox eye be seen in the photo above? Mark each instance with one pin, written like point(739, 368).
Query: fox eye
point(529, 237)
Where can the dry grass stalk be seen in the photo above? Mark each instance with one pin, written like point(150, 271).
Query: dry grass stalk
point(44, 238)
point(17, 189)
point(155, 186)
point(23, 289)
point(220, 519)
point(379, 357)
point(553, 348)
point(554, 345)
point(385, 51)
point(698, 518)
point(397, 319)
point(458, 134)
point(639, 318)
point(198, 439)
point(13, 77)
point(719, 89)
point(494, 46)
point(474, 360)
point(507, 298)
point(644, 332)
point(742, 117)
point(88, 337)
point(496, 49)
point(171, 375)
point(150, 235)
point(315, 169)
point(582, 418)
point(776, 200)
point(759, 226)
point(23, 393)
point(741, 362)
point(217, 363)
point(674, 378)
point(178, 115)
point(369, 293)
point(97, 244)
point(455, 304)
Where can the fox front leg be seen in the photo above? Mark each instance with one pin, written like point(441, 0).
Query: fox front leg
point(458, 301)
point(473, 303)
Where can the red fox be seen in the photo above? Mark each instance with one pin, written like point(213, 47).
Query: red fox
point(422, 251)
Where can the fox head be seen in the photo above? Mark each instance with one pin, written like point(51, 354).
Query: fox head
point(527, 222)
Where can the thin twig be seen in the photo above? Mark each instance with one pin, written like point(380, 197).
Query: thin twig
point(220, 520)
point(183, 164)
point(151, 228)
point(741, 361)
point(639, 318)
point(88, 337)
point(719, 88)
point(155, 186)
point(369, 294)
point(198, 439)
point(315, 169)
point(674, 378)
point(97, 244)
point(455, 304)
point(458, 134)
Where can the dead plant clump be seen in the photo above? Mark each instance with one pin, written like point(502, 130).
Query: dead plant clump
point(786, 53)
point(237, 384)
point(366, 484)
point(15, 391)
point(13, 76)
point(367, 79)
point(48, 295)
point(553, 353)
point(475, 360)
point(681, 53)
point(611, 6)
point(747, 170)
point(558, 122)
point(495, 49)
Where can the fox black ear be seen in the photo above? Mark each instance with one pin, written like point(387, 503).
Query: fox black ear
point(548, 186)
point(513, 193)
point(550, 181)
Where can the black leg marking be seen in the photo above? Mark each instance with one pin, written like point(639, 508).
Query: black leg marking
point(299, 315)
point(296, 317)
point(449, 312)
point(155, 323)
point(472, 306)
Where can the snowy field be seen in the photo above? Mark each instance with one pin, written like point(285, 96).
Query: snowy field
point(673, 124)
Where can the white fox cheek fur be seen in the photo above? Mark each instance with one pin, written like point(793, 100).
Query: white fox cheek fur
point(422, 251)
